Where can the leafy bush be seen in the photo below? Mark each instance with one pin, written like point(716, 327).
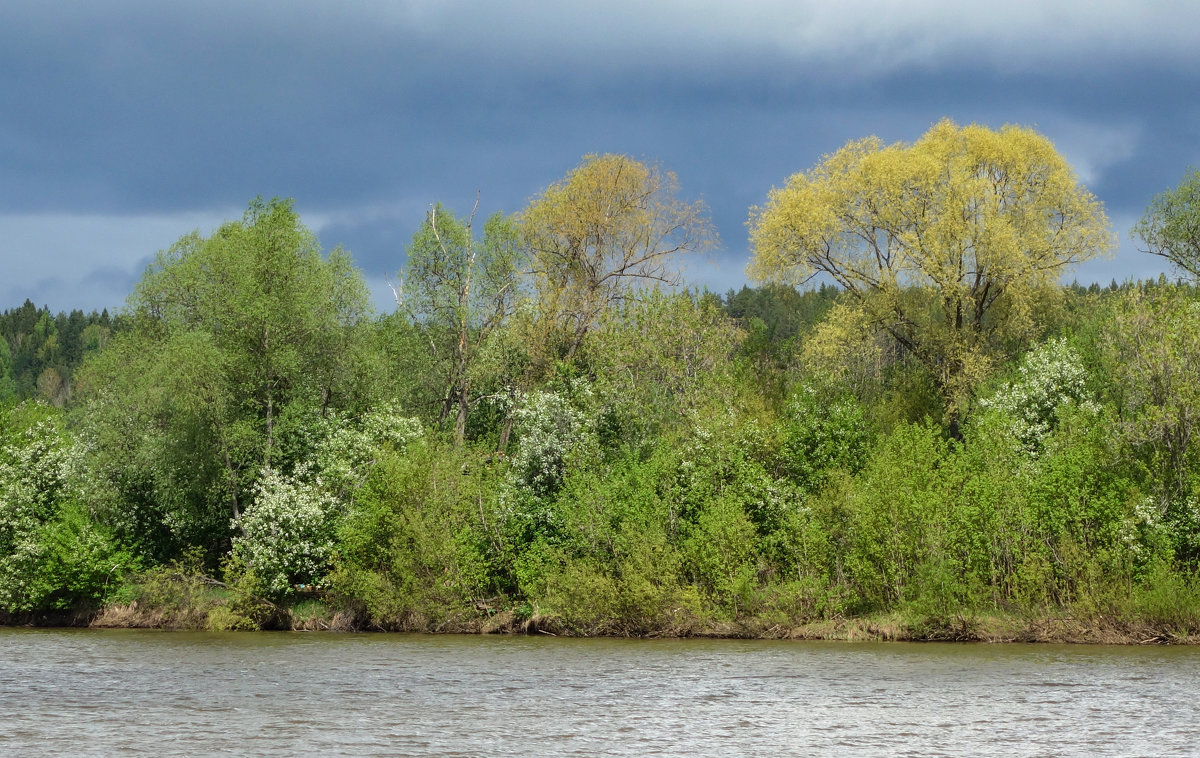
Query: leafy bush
point(550, 428)
point(822, 433)
point(287, 533)
point(349, 447)
point(719, 552)
point(418, 546)
point(1169, 601)
point(53, 553)
point(1051, 378)
point(897, 514)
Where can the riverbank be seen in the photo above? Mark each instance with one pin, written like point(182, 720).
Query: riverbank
point(887, 628)
point(185, 598)
point(316, 616)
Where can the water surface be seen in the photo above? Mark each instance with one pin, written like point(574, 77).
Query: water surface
point(91, 692)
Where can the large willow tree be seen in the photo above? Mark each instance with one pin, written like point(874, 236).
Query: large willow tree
point(612, 226)
point(946, 244)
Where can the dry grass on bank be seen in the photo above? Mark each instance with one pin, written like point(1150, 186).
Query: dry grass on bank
point(216, 609)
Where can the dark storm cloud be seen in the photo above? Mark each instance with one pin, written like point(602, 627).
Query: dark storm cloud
point(368, 112)
point(114, 280)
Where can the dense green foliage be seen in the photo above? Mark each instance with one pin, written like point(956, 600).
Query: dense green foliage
point(460, 291)
point(254, 439)
point(40, 351)
point(54, 551)
point(238, 347)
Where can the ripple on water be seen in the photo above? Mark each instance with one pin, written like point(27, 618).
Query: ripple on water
point(72, 692)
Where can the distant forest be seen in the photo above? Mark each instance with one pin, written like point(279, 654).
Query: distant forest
point(41, 350)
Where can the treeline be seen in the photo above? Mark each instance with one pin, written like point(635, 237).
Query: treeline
point(40, 351)
point(544, 436)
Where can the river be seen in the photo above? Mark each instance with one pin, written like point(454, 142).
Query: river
point(90, 692)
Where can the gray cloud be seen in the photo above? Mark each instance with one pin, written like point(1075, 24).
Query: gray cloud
point(161, 118)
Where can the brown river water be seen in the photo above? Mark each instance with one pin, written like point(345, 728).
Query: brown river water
point(108, 693)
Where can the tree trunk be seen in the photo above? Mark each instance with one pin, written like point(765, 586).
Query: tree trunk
point(505, 431)
point(233, 489)
point(952, 426)
point(270, 404)
point(460, 424)
point(270, 432)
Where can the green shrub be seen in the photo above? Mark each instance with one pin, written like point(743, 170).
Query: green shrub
point(53, 552)
point(718, 553)
point(896, 513)
point(287, 533)
point(822, 433)
point(1169, 600)
point(417, 548)
point(1051, 380)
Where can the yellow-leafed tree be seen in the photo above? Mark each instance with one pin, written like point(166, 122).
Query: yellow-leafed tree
point(612, 226)
point(946, 244)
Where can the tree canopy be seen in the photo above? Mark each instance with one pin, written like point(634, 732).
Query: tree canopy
point(460, 290)
point(41, 351)
point(945, 244)
point(613, 224)
point(235, 341)
point(245, 446)
point(1171, 225)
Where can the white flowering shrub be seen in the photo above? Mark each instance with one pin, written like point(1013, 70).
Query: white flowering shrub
point(1145, 535)
point(1185, 527)
point(726, 459)
point(287, 534)
point(1051, 376)
point(1163, 530)
point(34, 464)
point(52, 553)
point(348, 450)
point(21, 548)
point(550, 428)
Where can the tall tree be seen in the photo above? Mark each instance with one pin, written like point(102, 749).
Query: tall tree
point(611, 226)
point(8, 387)
point(663, 358)
point(945, 244)
point(235, 339)
point(460, 290)
point(1171, 226)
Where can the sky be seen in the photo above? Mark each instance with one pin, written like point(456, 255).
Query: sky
point(126, 125)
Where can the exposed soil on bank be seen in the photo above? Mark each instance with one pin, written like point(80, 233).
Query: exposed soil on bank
point(892, 627)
